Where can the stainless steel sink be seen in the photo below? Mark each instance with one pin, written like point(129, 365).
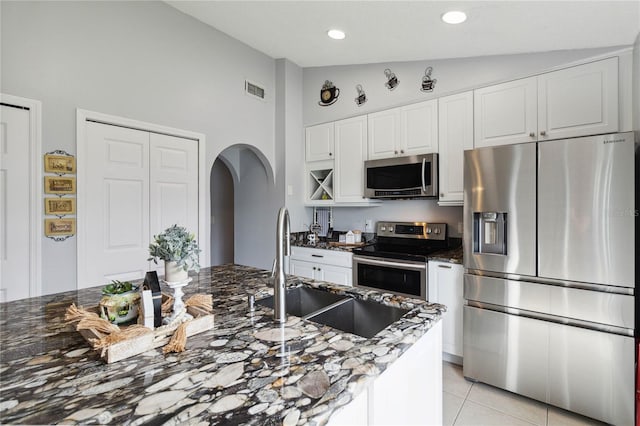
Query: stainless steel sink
point(302, 301)
point(361, 317)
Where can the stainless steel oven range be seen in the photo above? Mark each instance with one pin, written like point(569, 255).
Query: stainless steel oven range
point(397, 262)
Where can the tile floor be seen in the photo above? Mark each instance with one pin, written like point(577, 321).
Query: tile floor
point(468, 403)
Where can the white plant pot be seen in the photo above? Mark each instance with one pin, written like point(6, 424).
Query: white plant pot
point(174, 273)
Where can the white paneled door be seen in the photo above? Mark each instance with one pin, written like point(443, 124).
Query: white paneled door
point(14, 203)
point(138, 184)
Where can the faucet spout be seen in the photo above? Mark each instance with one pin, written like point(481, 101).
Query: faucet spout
point(283, 248)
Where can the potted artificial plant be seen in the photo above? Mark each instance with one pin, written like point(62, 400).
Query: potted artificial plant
point(179, 250)
point(119, 303)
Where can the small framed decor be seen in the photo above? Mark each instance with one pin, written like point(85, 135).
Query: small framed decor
point(59, 206)
point(59, 162)
point(59, 185)
point(60, 229)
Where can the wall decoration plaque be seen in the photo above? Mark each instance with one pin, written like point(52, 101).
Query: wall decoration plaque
point(362, 97)
point(59, 185)
point(392, 80)
point(59, 162)
point(60, 229)
point(328, 94)
point(59, 206)
point(427, 83)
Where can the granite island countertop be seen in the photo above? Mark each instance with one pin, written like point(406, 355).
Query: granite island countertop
point(227, 375)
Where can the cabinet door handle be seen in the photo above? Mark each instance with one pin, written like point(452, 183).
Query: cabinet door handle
point(317, 255)
point(532, 135)
point(395, 152)
point(543, 133)
point(330, 154)
point(318, 269)
point(444, 266)
point(402, 151)
point(314, 268)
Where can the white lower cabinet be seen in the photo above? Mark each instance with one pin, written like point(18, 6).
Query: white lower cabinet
point(409, 392)
point(446, 282)
point(322, 265)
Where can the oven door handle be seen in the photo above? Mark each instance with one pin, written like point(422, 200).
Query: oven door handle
point(424, 187)
point(370, 261)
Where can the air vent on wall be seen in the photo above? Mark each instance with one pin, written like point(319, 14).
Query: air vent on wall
point(253, 89)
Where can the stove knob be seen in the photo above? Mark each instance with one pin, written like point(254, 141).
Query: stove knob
point(428, 230)
point(391, 229)
point(436, 231)
point(383, 228)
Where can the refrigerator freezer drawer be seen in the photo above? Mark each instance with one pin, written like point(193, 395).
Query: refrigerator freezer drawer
point(585, 371)
point(596, 307)
point(506, 351)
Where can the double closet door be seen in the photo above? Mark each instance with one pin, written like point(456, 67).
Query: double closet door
point(138, 183)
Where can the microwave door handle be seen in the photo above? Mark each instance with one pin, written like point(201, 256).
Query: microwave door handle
point(424, 188)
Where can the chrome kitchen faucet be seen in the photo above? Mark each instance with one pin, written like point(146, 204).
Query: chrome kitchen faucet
point(283, 248)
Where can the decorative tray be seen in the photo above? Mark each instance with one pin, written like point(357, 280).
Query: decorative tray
point(160, 336)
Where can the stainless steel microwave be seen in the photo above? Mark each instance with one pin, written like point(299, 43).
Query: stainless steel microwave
point(414, 176)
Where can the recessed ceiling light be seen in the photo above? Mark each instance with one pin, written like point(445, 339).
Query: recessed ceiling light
point(454, 17)
point(336, 34)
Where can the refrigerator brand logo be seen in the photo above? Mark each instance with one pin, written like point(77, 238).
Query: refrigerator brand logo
point(623, 212)
point(614, 141)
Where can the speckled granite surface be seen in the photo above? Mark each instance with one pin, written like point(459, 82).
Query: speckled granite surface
point(451, 256)
point(226, 376)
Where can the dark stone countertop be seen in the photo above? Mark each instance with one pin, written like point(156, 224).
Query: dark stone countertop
point(227, 375)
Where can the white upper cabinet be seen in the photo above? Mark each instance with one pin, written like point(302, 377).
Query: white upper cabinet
point(319, 142)
point(455, 129)
point(419, 128)
point(576, 101)
point(506, 113)
point(351, 152)
point(579, 101)
point(408, 130)
point(384, 134)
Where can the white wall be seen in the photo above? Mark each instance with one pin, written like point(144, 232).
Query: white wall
point(452, 75)
point(289, 130)
point(140, 60)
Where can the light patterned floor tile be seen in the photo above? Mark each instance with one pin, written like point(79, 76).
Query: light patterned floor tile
point(453, 381)
point(509, 403)
point(559, 417)
point(473, 414)
point(451, 407)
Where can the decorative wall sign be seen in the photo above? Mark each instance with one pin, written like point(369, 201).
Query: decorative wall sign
point(59, 185)
point(362, 97)
point(59, 162)
point(328, 94)
point(427, 83)
point(392, 80)
point(59, 229)
point(59, 206)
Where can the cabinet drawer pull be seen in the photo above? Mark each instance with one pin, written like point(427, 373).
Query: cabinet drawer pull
point(444, 266)
point(317, 255)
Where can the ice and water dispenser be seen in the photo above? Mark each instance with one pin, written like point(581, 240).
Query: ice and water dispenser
point(490, 233)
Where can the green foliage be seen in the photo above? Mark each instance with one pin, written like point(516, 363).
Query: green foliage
point(117, 287)
point(178, 245)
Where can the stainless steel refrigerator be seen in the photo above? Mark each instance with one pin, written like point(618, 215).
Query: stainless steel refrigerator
point(549, 252)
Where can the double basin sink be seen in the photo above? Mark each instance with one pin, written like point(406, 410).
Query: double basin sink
point(361, 317)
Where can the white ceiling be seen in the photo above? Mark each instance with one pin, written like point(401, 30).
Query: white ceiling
point(389, 31)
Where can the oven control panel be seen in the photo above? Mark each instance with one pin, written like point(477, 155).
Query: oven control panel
point(415, 230)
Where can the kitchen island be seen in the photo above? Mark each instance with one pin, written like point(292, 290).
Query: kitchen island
point(227, 375)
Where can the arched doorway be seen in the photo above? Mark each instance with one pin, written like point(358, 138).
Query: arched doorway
point(244, 205)
point(222, 214)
